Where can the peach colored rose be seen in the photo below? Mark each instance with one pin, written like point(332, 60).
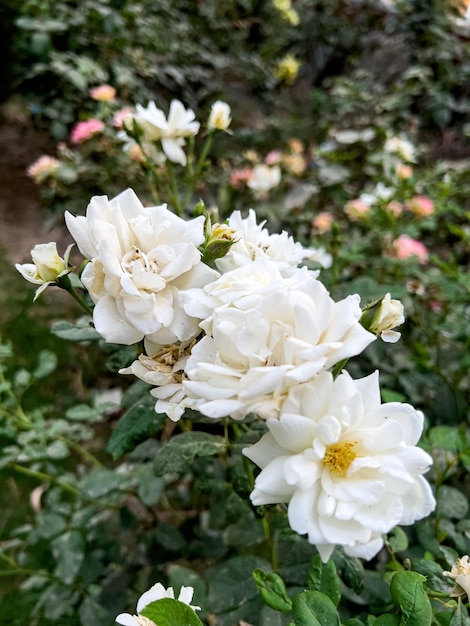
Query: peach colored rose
point(404, 171)
point(103, 93)
point(323, 221)
point(395, 208)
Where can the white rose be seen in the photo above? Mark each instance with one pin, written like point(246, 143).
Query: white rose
point(47, 266)
point(170, 132)
point(141, 259)
point(460, 573)
point(255, 242)
point(219, 116)
point(265, 336)
point(263, 178)
point(347, 465)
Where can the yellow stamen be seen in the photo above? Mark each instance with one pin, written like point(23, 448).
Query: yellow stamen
point(339, 457)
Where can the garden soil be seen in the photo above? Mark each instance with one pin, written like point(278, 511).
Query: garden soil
point(22, 221)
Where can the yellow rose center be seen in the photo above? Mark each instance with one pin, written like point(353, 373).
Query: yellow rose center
point(339, 457)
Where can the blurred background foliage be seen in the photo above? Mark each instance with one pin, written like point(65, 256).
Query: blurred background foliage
point(84, 520)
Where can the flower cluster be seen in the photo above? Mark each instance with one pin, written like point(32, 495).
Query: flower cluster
point(251, 330)
point(234, 320)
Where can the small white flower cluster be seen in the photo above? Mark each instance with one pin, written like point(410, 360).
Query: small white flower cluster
point(170, 132)
point(256, 333)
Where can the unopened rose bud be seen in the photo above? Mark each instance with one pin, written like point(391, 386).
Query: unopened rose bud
point(382, 316)
point(47, 267)
point(219, 242)
point(220, 116)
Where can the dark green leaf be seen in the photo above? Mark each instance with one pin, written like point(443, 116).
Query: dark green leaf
point(313, 608)
point(231, 584)
point(181, 450)
point(273, 590)
point(137, 424)
point(434, 574)
point(324, 577)
point(350, 569)
point(409, 596)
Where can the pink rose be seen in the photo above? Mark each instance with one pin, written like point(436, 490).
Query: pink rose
point(84, 130)
point(120, 117)
point(406, 247)
point(240, 177)
point(421, 206)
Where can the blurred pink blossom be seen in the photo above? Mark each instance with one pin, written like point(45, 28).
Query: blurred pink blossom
point(103, 93)
point(421, 206)
point(84, 130)
point(406, 247)
point(120, 117)
point(273, 158)
point(355, 209)
point(43, 167)
point(240, 177)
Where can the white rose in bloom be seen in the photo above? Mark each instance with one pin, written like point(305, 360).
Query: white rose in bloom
point(255, 242)
point(402, 147)
point(267, 334)
point(141, 259)
point(460, 573)
point(157, 592)
point(170, 131)
point(47, 266)
point(219, 116)
point(347, 465)
point(389, 315)
point(263, 178)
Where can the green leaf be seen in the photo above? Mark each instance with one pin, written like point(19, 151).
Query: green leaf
point(99, 483)
point(434, 574)
point(460, 615)
point(387, 619)
point(93, 614)
point(409, 596)
point(68, 551)
point(398, 540)
point(350, 569)
point(273, 590)
point(84, 413)
point(313, 608)
point(137, 424)
point(444, 437)
point(169, 612)
point(181, 450)
point(231, 584)
point(451, 503)
point(324, 577)
point(150, 486)
point(81, 331)
point(46, 364)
